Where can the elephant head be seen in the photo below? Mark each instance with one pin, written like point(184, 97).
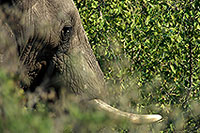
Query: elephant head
point(53, 47)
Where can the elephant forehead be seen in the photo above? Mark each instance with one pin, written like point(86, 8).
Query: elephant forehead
point(47, 17)
point(60, 10)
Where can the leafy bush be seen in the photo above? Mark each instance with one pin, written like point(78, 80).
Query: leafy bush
point(149, 52)
point(14, 116)
point(152, 46)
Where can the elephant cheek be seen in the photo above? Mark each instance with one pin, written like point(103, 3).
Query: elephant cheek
point(77, 75)
point(84, 78)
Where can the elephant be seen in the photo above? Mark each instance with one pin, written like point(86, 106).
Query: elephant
point(52, 46)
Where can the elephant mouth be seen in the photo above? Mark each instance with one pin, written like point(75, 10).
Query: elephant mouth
point(42, 73)
point(37, 76)
point(44, 84)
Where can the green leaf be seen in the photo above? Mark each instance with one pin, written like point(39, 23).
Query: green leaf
point(147, 20)
point(172, 68)
point(179, 39)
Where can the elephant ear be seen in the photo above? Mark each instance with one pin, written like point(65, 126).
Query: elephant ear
point(9, 31)
point(8, 50)
point(9, 59)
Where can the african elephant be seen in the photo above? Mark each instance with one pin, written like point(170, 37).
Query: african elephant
point(52, 46)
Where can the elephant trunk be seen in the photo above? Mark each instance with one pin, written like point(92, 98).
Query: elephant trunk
point(82, 75)
point(82, 80)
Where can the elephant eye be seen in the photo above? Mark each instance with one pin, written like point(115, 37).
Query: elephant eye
point(65, 33)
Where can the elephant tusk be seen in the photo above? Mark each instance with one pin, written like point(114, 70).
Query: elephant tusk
point(134, 118)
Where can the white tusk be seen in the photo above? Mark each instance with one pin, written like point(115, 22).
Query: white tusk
point(134, 118)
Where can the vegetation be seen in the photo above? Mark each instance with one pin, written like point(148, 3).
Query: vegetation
point(153, 46)
point(150, 54)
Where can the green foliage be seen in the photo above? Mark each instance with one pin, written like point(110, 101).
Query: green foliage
point(17, 117)
point(155, 43)
point(150, 54)
point(14, 117)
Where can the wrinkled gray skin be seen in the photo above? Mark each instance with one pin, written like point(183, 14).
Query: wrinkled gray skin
point(51, 42)
point(52, 45)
